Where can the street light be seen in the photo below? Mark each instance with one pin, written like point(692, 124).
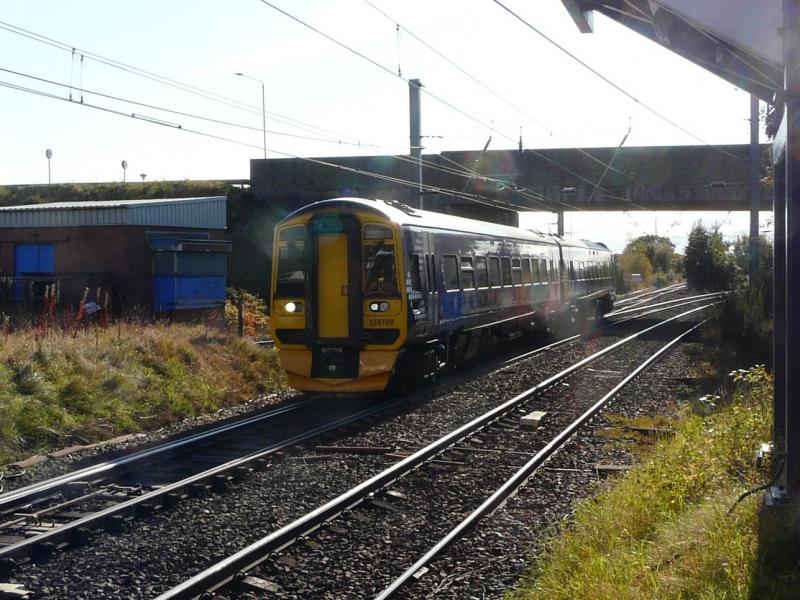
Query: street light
point(263, 109)
point(124, 169)
point(49, 154)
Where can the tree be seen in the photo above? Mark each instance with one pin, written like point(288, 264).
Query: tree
point(741, 254)
point(656, 248)
point(636, 262)
point(708, 264)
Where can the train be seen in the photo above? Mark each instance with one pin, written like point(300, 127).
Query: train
point(368, 294)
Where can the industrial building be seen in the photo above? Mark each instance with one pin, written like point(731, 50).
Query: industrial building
point(143, 256)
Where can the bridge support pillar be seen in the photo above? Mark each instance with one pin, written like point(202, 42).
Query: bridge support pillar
point(560, 224)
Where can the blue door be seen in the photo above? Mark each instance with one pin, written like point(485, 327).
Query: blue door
point(32, 259)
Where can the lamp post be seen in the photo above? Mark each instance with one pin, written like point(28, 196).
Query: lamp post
point(124, 169)
point(49, 154)
point(263, 109)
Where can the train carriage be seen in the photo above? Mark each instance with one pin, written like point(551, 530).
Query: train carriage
point(367, 290)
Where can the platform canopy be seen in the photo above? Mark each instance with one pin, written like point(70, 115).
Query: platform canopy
point(735, 39)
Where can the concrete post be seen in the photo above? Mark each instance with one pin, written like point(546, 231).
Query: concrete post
point(415, 123)
point(560, 226)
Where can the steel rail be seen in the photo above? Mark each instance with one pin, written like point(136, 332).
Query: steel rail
point(36, 490)
point(77, 529)
point(26, 547)
point(645, 294)
point(655, 296)
point(690, 300)
point(522, 475)
point(252, 555)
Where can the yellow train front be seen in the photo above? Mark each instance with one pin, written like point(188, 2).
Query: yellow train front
point(338, 312)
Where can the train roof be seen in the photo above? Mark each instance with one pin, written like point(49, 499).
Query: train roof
point(406, 215)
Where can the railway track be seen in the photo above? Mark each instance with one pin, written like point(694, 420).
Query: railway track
point(495, 422)
point(37, 520)
point(69, 510)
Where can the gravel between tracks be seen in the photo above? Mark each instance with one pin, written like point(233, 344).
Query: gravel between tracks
point(154, 554)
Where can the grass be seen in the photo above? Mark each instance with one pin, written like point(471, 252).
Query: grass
point(58, 389)
point(663, 530)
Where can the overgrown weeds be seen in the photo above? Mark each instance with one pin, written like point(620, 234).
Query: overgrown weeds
point(663, 531)
point(57, 389)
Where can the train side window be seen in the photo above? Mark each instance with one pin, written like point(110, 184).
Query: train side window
point(494, 271)
point(526, 271)
point(516, 271)
point(572, 270)
point(481, 274)
point(505, 268)
point(467, 273)
point(543, 270)
point(434, 277)
point(553, 272)
point(450, 273)
point(537, 277)
point(416, 273)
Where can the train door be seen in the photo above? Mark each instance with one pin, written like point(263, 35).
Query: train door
point(418, 297)
point(432, 291)
point(332, 285)
point(334, 296)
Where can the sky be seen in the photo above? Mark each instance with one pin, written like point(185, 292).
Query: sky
point(323, 100)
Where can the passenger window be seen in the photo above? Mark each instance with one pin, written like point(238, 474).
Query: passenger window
point(451, 272)
point(416, 274)
point(535, 265)
point(516, 271)
point(543, 268)
point(553, 272)
point(505, 265)
point(467, 273)
point(434, 276)
point(481, 276)
point(526, 271)
point(572, 270)
point(494, 271)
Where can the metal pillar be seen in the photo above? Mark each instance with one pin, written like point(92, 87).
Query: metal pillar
point(415, 123)
point(779, 308)
point(789, 368)
point(560, 226)
point(755, 162)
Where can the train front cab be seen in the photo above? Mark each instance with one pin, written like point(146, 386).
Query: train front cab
point(338, 310)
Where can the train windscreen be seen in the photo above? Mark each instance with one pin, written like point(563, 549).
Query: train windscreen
point(291, 272)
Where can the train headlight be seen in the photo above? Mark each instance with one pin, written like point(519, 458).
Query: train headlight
point(379, 306)
point(293, 307)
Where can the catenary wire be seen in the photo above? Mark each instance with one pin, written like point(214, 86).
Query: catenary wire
point(431, 94)
point(286, 120)
point(467, 196)
point(611, 83)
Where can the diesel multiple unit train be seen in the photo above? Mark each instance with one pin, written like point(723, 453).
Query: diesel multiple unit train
point(365, 292)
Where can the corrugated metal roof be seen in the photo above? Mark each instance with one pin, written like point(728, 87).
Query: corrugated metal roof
point(206, 213)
